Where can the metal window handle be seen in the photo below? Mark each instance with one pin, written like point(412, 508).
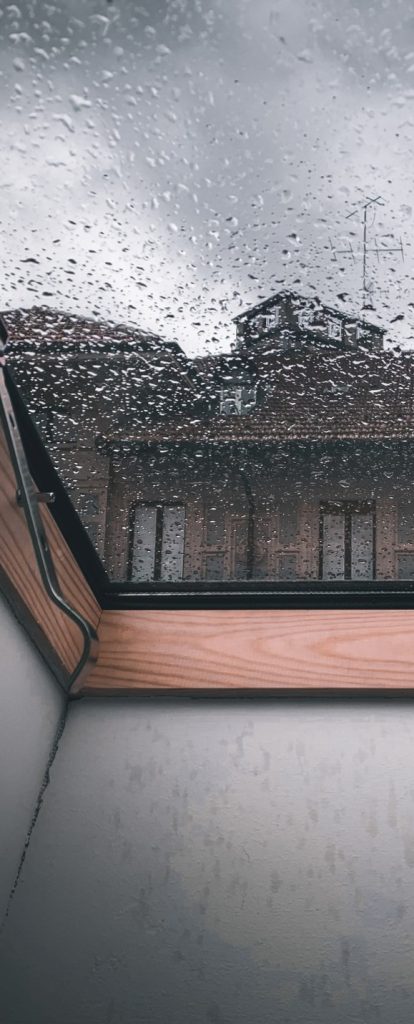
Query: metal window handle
point(42, 497)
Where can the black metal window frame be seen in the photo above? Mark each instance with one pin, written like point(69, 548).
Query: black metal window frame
point(188, 595)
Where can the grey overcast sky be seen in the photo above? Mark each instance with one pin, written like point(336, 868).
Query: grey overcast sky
point(170, 163)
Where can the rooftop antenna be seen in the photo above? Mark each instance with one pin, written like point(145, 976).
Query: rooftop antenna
point(378, 249)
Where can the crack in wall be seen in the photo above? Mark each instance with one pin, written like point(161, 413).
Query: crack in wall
point(36, 812)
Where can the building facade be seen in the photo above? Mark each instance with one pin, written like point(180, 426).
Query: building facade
point(289, 458)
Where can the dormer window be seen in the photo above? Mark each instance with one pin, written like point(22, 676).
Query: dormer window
point(303, 318)
point(237, 401)
point(335, 330)
point(271, 320)
point(351, 334)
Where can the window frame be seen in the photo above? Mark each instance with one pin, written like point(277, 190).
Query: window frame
point(273, 317)
point(159, 523)
point(401, 547)
point(348, 509)
point(334, 329)
point(237, 387)
point(303, 594)
point(303, 319)
point(236, 641)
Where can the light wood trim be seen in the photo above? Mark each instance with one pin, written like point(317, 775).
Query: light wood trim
point(22, 582)
point(153, 650)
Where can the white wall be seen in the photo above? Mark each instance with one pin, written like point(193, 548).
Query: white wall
point(31, 705)
point(220, 861)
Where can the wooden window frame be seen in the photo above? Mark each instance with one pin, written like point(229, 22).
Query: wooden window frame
point(250, 640)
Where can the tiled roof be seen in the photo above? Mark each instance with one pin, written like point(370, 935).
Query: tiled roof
point(312, 394)
point(40, 326)
point(307, 397)
point(303, 301)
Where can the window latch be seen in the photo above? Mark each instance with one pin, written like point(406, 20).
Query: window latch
point(42, 497)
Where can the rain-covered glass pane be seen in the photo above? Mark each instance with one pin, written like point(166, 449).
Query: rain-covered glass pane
point(287, 567)
point(362, 546)
point(214, 567)
point(144, 543)
point(406, 566)
point(333, 546)
point(405, 522)
point(172, 547)
point(207, 269)
point(215, 524)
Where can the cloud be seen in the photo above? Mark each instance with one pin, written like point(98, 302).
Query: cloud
point(193, 158)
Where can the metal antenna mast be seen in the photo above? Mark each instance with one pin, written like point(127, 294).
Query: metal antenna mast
point(378, 249)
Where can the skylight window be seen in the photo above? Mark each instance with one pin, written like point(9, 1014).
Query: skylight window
point(193, 318)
